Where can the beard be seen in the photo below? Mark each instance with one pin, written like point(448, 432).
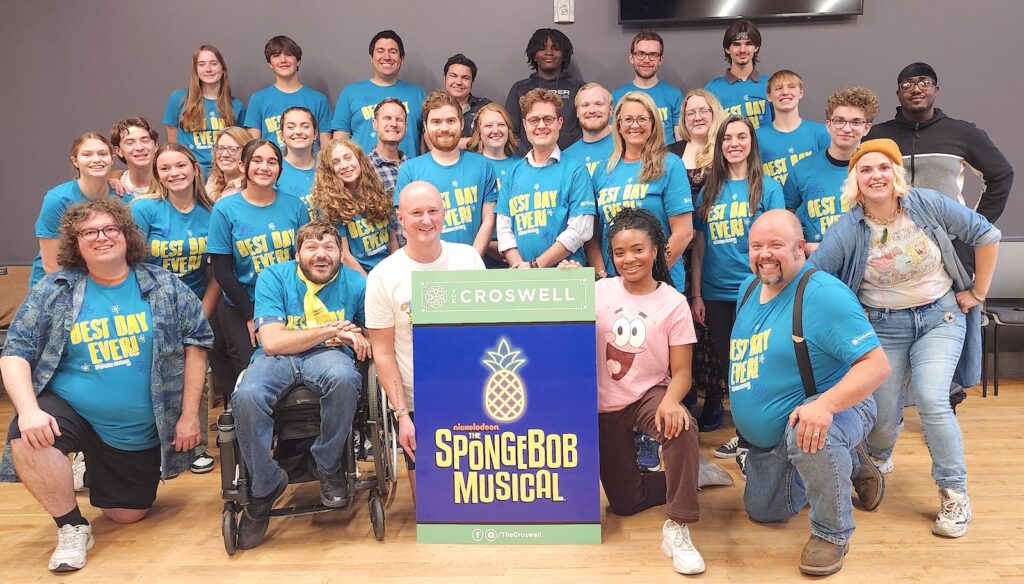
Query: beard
point(593, 125)
point(444, 142)
point(307, 271)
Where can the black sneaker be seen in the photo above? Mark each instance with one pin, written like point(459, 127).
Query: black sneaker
point(334, 490)
point(252, 527)
point(741, 461)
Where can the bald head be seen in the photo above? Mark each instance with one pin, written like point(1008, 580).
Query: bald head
point(418, 192)
point(421, 215)
point(776, 248)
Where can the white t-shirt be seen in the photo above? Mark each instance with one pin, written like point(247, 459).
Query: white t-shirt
point(905, 271)
point(389, 293)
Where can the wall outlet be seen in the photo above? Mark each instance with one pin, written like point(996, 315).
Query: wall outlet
point(565, 11)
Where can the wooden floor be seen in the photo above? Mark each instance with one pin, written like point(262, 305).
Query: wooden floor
point(181, 540)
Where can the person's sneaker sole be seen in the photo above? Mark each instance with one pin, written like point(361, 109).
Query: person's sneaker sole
point(825, 570)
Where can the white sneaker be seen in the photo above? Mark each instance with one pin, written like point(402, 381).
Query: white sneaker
point(676, 544)
point(72, 543)
point(954, 514)
point(202, 464)
point(884, 466)
point(78, 471)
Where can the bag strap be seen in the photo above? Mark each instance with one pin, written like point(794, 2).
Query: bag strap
point(746, 295)
point(803, 356)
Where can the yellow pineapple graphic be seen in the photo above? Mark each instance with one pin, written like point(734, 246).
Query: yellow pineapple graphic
point(504, 394)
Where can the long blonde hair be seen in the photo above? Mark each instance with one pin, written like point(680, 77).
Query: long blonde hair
point(652, 155)
point(217, 182)
point(706, 154)
point(160, 191)
point(192, 110)
point(332, 200)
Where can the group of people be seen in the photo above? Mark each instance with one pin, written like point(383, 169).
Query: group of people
point(797, 265)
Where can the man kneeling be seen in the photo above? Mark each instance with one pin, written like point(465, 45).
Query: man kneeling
point(303, 313)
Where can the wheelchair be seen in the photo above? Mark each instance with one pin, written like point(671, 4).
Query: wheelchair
point(296, 426)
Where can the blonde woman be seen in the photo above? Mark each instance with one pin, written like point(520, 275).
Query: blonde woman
point(698, 125)
point(226, 176)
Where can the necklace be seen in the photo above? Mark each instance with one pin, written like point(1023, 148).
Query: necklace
point(884, 222)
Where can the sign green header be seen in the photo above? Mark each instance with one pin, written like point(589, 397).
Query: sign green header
point(500, 296)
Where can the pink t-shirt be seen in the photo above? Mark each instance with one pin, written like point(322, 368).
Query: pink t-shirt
point(633, 337)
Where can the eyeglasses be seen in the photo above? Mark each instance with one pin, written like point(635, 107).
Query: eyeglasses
point(641, 55)
point(110, 232)
point(856, 124)
point(704, 111)
point(923, 84)
point(639, 120)
point(535, 121)
point(227, 149)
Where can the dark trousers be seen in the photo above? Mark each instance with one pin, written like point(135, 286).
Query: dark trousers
point(238, 350)
point(719, 317)
point(630, 491)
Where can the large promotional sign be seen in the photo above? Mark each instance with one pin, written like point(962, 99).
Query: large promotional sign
point(506, 407)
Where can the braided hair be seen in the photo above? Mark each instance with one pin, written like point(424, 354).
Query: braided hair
point(643, 220)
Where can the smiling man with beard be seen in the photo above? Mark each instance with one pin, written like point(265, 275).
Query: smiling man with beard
point(308, 313)
point(805, 434)
point(594, 108)
point(466, 180)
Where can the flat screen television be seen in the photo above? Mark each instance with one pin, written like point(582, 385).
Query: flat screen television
point(692, 11)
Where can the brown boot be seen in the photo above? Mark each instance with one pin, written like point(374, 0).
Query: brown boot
point(821, 558)
point(869, 482)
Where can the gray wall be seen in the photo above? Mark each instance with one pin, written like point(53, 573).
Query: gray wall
point(77, 66)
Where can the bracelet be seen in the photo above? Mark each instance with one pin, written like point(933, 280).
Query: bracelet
point(976, 297)
point(533, 264)
point(402, 412)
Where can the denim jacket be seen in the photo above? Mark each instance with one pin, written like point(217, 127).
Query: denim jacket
point(41, 327)
point(844, 253)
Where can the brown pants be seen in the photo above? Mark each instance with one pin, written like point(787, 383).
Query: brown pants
point(630, 491)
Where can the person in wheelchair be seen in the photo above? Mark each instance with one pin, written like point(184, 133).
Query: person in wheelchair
point(305, 314)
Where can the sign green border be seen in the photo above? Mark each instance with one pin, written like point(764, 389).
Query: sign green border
point(498, 534)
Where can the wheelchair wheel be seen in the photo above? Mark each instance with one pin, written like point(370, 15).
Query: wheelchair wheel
point(382, 436)
point(229, 529)
point(376, 505)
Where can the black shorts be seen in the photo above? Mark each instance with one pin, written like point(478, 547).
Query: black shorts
point(118, 479)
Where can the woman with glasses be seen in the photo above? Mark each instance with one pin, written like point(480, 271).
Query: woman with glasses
point(226, 175)
point(735, 193)
point(193, 115)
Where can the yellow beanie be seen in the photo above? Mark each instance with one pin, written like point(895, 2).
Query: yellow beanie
point(883, 145)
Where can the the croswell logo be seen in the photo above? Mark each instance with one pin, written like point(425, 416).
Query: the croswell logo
point(504, 393)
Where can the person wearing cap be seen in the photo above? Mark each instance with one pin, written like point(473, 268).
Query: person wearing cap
point(742, 90)
point(894, 250)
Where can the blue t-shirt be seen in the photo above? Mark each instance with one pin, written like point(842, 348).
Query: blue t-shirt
point(668, 196)
point(540, 201)
point(465, 186)
point(55, 202)
point(354, 112)
point(590, 154)
point(367, 241)
point(280, 295)
point(201, 142)
point(764, 379)
point(104, 373)
point(256, 237)
point(669, 100)
point(503, 167)
point(267, 105)
point(297, 183)
point(744, 98)
point(815, 190)
point(781, 151)
point(176, 240)
point(726, 262)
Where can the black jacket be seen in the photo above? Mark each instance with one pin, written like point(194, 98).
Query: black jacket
point(566, 86)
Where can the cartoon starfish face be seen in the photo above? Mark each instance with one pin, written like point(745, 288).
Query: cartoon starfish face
point(625, 342)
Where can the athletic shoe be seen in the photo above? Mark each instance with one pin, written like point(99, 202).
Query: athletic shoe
point(676, 544)
point(202, 464)
point(884, 466)
point(78, 471)
point(711, 423)
point(711, 475)
point(72, 543)
point(334, 490)
point(648, 450)
point(730, 449)
point(741, 461)
point(954, 514)
point(252, 527)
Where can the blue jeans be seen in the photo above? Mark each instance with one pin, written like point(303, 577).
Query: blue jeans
point(923, 345)
point(328, 372)
point(785, 479)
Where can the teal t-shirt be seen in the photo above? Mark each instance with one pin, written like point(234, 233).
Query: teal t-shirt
point(296, 182)
point(503, 167)
point(55, 202)
point(540, 201)
point(201, 142)
point(726, 262)
point(590, 154)
point(668, 196)
point(354, 112)
point(280, 295)
point(367, 241)
point(104, 373)
point(781, 151)
point(176, 240)
point(816, 187)
point(256, 237)
point(465, 186)
point(744, 98)
point(669, 100)
point(267, 105)
point(764, 379)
